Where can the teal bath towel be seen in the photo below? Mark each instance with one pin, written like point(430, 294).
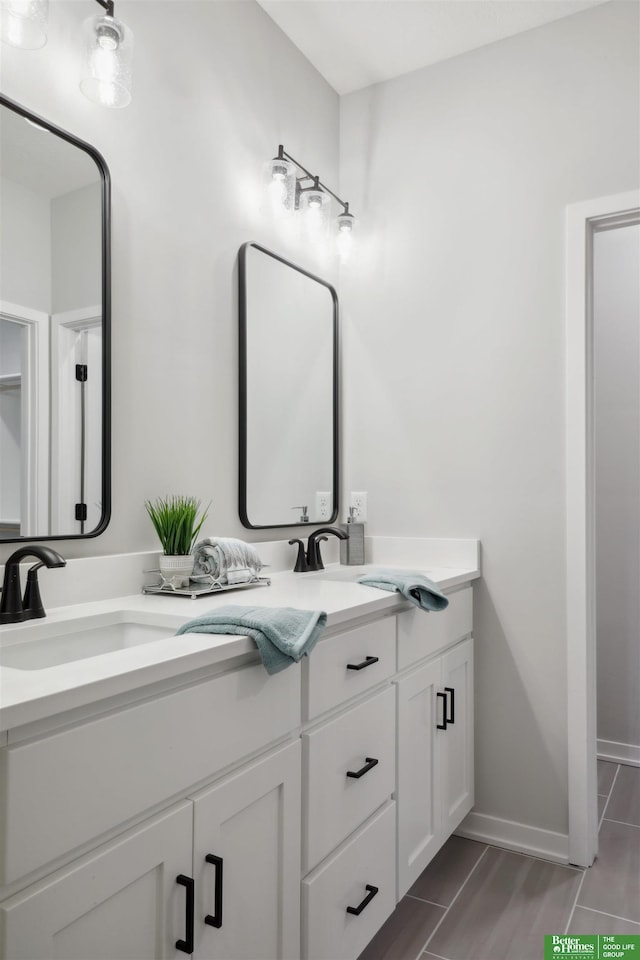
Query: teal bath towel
point(413, 586)
point(283, 634)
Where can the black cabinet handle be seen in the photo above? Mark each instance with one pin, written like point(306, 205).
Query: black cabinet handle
point(370, 763)
point(452, 718)
point(367, 662)
point(186, 945)
point(215, 919)
point(443, 725)
point(356, 911)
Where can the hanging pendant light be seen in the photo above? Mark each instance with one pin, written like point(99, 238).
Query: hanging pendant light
point(23, 23)
point(280, 185)
point(314, 207)
point(107, 59)
point(346, 224)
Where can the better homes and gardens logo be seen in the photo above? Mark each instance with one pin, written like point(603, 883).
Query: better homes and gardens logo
point(595, 948)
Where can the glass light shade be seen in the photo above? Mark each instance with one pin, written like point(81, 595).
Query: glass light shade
point(347, 225)
point(280, 186)
point(314, 207)
point(107, 61)
point(23, 23)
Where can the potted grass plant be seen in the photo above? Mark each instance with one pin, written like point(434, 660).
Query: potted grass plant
point(177, 521)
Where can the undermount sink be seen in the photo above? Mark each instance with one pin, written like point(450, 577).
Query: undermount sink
point(38, 645)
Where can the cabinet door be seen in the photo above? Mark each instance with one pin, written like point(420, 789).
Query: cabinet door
point(418, 790)
point(249, 828)
point(120, 901)
point(456, 769)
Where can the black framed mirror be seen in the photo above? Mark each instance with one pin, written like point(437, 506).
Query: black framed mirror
point(55, 363)
point(288, 325)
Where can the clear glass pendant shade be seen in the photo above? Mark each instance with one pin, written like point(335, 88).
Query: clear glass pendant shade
point(23, 23)
point(107, 61)
point(346, 227)
point(280, 186)
point(314, 207)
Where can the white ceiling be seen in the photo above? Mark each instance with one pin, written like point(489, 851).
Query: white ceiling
point(354, 43)
point(40, 161)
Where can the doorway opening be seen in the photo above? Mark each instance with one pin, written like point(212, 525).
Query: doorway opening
point(585, 221)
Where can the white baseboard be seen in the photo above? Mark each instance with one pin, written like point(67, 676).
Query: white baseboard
point(520, 837)
point(619, 752)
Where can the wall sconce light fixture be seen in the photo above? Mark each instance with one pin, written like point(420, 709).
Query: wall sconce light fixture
point(23, 23)
point(107, 54)
point(291, 187)
point(107, 59)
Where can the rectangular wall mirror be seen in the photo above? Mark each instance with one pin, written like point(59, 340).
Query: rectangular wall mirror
point(54, 331)
point(288, 392)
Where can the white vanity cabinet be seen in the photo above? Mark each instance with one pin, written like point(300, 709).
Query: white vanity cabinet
point(233, 815)
point(435, 740)
point(132, 897)
point(146, 893)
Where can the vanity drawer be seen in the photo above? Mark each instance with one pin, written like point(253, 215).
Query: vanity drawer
point(118, 766)
point(343, 666)
point(335, 804)
point(422, 633)
point(330, 933)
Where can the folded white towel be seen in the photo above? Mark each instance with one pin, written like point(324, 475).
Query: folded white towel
point(225, 560)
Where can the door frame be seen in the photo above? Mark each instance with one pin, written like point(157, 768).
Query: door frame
point(34, 403)
point(66, 328)
point(583, 220)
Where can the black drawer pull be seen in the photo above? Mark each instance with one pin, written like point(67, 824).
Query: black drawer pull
point(452, 718)
point(356, 911)
point(370, 763)
point(186, 945)
point(367, 662)
point(215, 919)
point(443, 725)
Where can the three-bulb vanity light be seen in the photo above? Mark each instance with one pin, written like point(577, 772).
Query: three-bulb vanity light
point(288, 192)
point(107, 47)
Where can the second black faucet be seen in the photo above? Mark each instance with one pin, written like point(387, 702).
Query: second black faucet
point(312, 559)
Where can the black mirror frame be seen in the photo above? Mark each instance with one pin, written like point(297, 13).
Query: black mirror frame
point(106, 322)
point(242, 381)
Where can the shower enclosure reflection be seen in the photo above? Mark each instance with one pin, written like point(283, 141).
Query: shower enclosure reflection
point(54, 441)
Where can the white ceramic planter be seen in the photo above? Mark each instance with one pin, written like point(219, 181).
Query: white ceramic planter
point(176, 570)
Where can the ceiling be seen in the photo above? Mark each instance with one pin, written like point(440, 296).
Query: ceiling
point(354, 43)
point(40, 161)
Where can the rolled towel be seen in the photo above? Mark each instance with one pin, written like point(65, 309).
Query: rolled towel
point(283, 634)
point(225, 560)
point(415, 587)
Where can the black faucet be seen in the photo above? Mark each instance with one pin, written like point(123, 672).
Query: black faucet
point(13, 608)
point(312, 560)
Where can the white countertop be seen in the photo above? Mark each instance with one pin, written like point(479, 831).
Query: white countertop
point(36, 694)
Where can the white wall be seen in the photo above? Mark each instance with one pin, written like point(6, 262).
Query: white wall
point(453, 333)
point(25, 245)
point(616, 314)
point(76, 249)
point(217, 87)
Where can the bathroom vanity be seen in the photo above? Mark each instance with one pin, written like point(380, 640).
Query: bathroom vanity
point(171, 797)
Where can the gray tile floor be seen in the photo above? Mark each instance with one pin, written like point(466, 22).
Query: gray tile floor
point(478, 902)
